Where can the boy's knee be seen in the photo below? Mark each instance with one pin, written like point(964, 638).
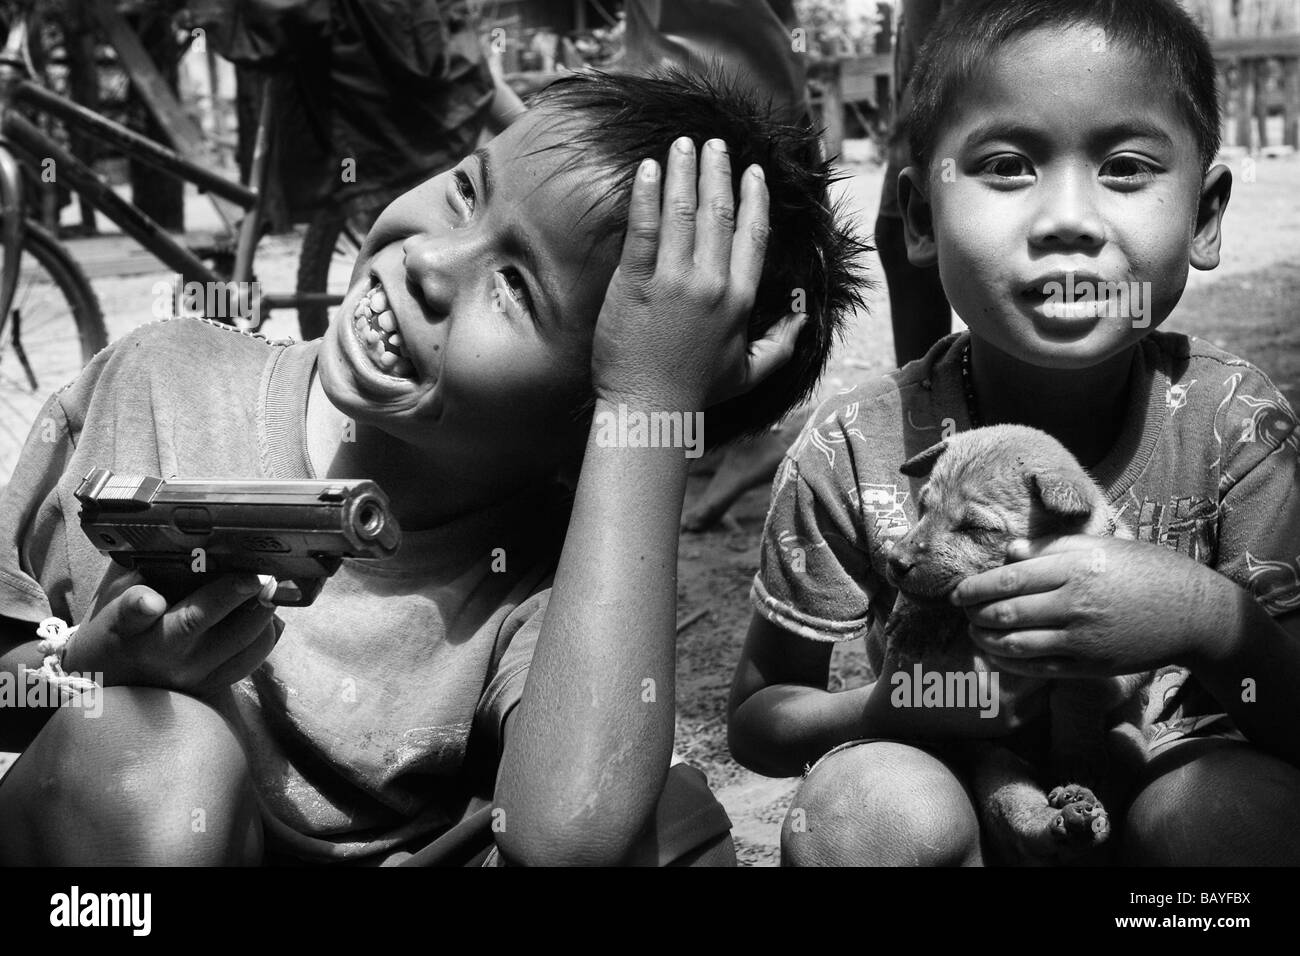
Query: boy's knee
point(1215, 804)
point(880, 804)
point(158, 777)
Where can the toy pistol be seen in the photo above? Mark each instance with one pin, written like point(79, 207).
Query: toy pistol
point(176, 533)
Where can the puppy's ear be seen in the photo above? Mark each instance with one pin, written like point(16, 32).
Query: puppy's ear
point(919, 466)
point(1060, 494)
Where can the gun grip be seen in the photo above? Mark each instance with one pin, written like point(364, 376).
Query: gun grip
point(173, 580)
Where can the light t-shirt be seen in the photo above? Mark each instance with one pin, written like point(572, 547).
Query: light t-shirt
point(1207, 463)
point(379, 712)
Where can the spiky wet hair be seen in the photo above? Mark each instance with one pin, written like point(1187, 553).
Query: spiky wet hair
point(616, 121)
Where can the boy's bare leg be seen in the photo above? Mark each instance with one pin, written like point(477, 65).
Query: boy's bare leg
point(157, 778)
point(1214, 802)
point(881, 804)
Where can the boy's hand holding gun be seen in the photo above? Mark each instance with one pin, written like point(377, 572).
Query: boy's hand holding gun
point(200, 566)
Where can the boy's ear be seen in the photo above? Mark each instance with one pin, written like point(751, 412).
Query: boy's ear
point(920, 466)
point(918, 223)
point(1209, 218)
point(1059, 494)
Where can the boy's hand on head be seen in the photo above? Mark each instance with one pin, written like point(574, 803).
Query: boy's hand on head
point(202, 644)
point(1081, 606)
point(672, 331)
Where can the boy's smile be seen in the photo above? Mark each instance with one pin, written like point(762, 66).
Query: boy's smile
point(467, 329)
point(1065, 200)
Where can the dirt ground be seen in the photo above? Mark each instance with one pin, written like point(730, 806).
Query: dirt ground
point(1248, 306)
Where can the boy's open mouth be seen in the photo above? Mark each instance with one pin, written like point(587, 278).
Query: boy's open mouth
point(376, 329)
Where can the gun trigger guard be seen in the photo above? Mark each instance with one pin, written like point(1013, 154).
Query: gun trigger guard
point(297, 592)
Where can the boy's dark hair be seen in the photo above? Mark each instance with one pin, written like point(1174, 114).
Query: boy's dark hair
point(622, 119)
point(970, 33)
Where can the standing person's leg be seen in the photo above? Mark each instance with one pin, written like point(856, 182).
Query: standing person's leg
point(918, 309)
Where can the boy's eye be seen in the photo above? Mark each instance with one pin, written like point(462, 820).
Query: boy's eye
point(464, 188)
point(1128, 169)
point(1006, 167)
point(517, 289)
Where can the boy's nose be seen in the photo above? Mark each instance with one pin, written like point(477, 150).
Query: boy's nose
point(1068, 216)
point(432, 263)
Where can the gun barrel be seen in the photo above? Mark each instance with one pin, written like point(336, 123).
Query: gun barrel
point(237, 518)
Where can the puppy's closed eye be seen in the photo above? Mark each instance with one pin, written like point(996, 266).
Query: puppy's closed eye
point(975, 522)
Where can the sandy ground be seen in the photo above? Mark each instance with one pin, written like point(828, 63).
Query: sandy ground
point(1249, 306)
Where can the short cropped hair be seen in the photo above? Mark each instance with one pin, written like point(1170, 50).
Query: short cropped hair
point(969, 34)
point(813, 257)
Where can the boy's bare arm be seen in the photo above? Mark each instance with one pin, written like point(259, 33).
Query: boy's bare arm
point(18, 651)
point(781, 717)
point(588, 748)
point(203, 643)
point(1081, 606)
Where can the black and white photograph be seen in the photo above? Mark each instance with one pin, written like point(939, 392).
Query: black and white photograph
point(651, 433)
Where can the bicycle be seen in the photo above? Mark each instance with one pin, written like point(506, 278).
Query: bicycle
point(50, 320)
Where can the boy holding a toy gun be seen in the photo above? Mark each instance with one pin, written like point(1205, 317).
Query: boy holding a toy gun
point(502, 686)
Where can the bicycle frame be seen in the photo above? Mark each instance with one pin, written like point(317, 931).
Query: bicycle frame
point(19, 136)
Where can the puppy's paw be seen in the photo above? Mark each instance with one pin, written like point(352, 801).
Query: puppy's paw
point(1081, 822)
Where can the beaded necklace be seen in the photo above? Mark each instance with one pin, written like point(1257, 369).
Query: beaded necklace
point(972, 406)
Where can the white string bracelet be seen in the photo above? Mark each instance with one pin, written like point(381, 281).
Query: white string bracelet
point(55, 635)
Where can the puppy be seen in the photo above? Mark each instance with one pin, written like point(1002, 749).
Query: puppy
point(987, 487)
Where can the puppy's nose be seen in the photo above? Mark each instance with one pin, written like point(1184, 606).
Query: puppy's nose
point(900, 565)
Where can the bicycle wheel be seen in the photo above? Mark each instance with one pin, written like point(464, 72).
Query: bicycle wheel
point(54, 327)
point(329, 249)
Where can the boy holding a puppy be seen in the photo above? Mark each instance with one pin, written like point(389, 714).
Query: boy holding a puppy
point(1064, 182)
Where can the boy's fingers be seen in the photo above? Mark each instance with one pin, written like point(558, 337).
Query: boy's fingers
point(230, 638)
point(641, 244)
point(749, 245)
point(116, 581)
point(677, 230)
point(1030, 610)
point(717, 209)
point(1044, 574)
point(246, 660)
point(209, 604)
point(1043, 643)
point(1022, 549)
point(774, 349)
point(136, 609)
point(1045, 667)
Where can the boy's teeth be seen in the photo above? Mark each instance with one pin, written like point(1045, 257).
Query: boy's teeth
point(376, 326)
